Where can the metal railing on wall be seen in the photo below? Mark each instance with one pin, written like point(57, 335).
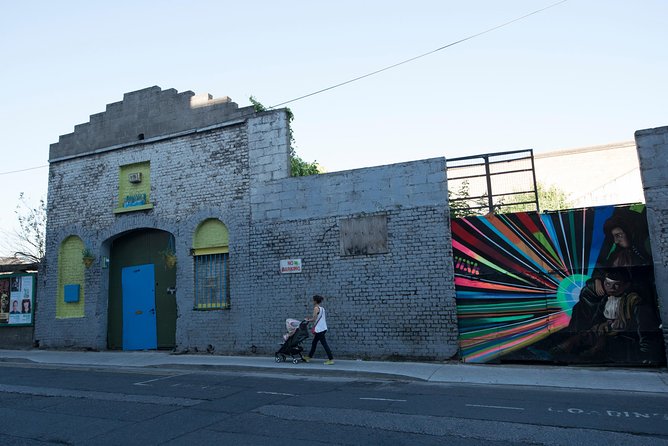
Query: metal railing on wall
point(492, 183)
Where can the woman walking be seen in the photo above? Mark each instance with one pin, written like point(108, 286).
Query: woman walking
point(319, 329)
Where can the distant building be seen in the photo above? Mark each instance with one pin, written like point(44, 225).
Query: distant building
point(593, 176)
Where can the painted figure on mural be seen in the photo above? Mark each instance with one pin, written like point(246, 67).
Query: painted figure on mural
point(626, 245)
point(621, 320)
point(567, 255)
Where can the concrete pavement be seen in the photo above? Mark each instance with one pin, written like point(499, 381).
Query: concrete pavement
point(601, 378)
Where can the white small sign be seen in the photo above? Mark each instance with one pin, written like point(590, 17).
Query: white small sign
point(291, 266)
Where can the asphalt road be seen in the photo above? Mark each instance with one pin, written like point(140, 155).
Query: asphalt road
point(111, 406)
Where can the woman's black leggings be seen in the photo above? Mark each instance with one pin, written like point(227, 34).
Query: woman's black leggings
point(320, 337)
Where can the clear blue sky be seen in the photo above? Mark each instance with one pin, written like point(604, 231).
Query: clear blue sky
point(585, 72)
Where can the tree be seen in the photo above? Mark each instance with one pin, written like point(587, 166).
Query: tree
point(29, 240)
point(298, 167)
point(550, 198)
point(463, 205)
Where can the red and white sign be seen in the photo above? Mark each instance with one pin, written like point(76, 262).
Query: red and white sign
point(291, 266)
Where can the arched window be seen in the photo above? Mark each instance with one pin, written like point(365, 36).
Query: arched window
point(70, 297)
point(212, 265)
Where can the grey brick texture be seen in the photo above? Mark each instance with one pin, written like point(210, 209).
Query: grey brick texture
point(652, 147)
point(210, 159)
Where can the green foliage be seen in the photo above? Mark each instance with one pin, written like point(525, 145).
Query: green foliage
point(549, 199)
point(552, 198)
point(462, 205)
point(301, 168)
point(257, 105)
point(298, 167)
point(31, 235)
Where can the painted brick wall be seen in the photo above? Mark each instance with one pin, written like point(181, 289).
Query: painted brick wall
point(197, 176)
point(236, 169)
point(396, 304)
point(653, 155)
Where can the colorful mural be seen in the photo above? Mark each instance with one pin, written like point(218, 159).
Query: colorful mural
point(574, 286)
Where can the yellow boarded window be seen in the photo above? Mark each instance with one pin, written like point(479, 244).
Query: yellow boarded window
point(212, 265)
point(134, 187)
point(70, 273)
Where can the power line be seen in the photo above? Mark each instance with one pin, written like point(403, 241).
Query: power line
point(473, 36)
point(24, 170)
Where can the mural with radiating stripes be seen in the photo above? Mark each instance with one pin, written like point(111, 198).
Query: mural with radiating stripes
point(572, 286)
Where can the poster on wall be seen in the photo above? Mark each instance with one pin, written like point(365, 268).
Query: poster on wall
point(573, 286)
point(16, 300)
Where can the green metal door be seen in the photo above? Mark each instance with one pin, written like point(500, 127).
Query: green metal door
point(142, 247)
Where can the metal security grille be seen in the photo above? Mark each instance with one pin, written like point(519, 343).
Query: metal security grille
point(212, 281)
point(492, 183)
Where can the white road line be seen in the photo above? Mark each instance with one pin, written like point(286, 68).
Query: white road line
point(495, 407)
point(383, 399)
point(100, 396)
point(145, 383)
point(276, 393)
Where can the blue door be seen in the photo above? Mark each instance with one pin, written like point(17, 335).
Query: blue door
point(139, 329)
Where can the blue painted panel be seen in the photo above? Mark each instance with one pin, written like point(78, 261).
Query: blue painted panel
point(139, 327)
point(71, 292)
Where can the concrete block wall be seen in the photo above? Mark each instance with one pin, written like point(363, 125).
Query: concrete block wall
point(652, 147)
point(397, 304)
point(151, 113)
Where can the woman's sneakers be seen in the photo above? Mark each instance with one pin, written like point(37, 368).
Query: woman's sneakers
point(308, 359)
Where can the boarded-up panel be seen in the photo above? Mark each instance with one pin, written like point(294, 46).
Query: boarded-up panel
point(363, 235)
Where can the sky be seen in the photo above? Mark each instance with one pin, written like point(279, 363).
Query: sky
point(581, 73)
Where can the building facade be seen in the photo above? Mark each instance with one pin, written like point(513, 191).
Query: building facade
point(593, 176)
point(173, 223)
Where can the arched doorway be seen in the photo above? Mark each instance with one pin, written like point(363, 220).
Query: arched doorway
point(142, 300)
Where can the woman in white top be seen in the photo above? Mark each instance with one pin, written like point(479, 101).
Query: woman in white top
point(319, 329)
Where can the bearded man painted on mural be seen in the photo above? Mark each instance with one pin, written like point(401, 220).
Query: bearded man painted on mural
point(620, 319)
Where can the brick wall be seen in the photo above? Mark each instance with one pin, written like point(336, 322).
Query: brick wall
point(653, 155)
point(399, 303)
point(236, 168)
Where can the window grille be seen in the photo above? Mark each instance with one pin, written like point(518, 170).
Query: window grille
point(212, 281)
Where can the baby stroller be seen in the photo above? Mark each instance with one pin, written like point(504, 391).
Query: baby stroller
point(297, 333)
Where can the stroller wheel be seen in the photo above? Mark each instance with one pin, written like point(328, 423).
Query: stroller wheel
point(277, 358)
point(295, 360)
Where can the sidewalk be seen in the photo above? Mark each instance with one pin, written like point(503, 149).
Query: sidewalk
point(603, 378)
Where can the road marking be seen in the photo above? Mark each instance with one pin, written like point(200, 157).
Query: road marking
point(145, 383)
point(100, 396)
point(276, 393)
point(612, 413)
point(495, 407)
point(383, 399)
